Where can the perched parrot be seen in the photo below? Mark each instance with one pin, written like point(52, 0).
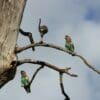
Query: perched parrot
point(68, 43)
point(43, 29)
point(25, 81)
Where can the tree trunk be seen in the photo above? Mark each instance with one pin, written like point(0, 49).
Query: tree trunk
point(11, 12)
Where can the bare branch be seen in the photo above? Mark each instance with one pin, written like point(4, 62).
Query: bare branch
point(36, 72)
point(87, 63)
point(20, 62)
point(58, 48)
point(43, 45)
point(29, 35)
point(62, 87)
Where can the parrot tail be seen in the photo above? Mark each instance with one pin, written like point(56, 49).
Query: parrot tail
point(27, 88)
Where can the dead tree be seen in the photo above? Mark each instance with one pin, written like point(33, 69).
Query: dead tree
point(11, 12)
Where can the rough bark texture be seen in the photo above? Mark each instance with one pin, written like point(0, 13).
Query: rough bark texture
point(11, 12)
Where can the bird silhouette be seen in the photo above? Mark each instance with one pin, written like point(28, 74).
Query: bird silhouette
point(43, 29)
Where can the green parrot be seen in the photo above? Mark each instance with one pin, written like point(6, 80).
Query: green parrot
point(68, 44)
point(25, 81)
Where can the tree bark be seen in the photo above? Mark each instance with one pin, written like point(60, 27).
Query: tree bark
point(11, 12)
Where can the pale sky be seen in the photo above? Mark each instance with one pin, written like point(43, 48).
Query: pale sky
point(77, 18)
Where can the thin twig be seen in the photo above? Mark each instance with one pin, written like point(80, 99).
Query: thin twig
point(61, 49)
point(87, 63)
point(36, 72)
point(66, 70)
point(62, 87)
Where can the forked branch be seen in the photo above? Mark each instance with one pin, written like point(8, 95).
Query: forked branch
point(61, 49)
point(42, 63)
point(66, 70)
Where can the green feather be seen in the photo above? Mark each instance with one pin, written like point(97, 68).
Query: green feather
point(69, 46)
